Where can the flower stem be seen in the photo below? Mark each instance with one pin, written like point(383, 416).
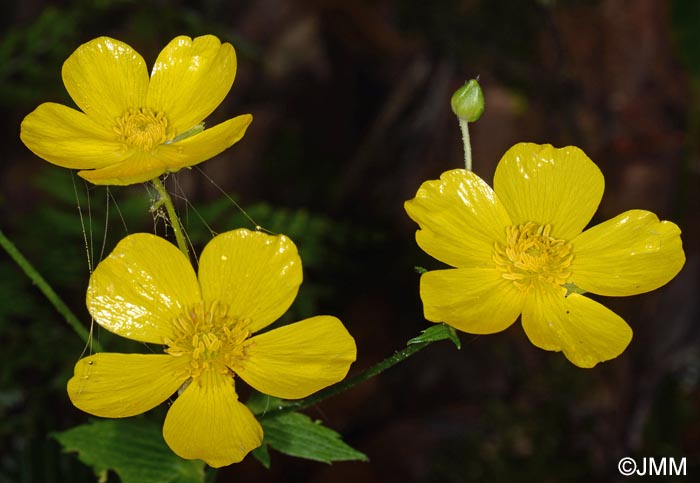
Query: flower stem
point(464, 127)
point(347, 383)
point(468, 105)
point(172, 215)
point(46, 289)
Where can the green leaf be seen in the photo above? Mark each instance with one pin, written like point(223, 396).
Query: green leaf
point(420, 270)
point(262, 455)
point(297, 435)
point(435, 333)
point(260, 403)
point(132, 448)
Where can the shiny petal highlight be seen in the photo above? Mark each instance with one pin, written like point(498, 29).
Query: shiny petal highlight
point(256, 274)
point(630, 254)
point(545, 185)
point(205, 145)
point(473, 300)
point(297, 360)
point(586, 331)
point(139, 289)
point(190, 78)
point(549, 196)
point(68, 138)
point(460, 219)
point(134, 128)
point(105, 77)
point(208, 422)
point(139, 167)
point(122, 385)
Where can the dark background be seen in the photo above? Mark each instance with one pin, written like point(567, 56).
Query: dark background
point(351, 113)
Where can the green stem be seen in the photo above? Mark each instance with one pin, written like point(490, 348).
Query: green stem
point(172, 214)
point(347, 383)
point(46, 289)
point(464, 127)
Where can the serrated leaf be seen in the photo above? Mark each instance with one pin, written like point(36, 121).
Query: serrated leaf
point(435, 333)
point(295, 434)
point(132, 448)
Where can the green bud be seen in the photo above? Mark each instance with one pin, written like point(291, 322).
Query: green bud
point(468, 101)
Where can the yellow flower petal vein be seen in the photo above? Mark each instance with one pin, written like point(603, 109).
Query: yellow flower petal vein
point(290, 363)
point(146, 290)
point(460, 216)
point(630, 254)
point(545, 185)
point(131, 126)
point(520, 250)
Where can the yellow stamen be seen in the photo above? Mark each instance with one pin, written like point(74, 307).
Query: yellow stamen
point(531, 255)
point(210, 337)
point(143, 128)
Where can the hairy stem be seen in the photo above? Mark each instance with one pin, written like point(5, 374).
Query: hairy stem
point(464, 127)
point(46, 289)
point(346, 384)
point(172, 215)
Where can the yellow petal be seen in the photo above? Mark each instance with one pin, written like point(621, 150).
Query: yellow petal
point(141, 287)
point(299, 359)
point(139, 167)
point(460, 219)
point(256, 274)
point(203, 146)
point(122, 385)
point(586, 331)
point(474, 300)
point(105, 77)
point(208, 422)
point(627, 255)
point(545, 185)
point(190, 79)
point(68, 138)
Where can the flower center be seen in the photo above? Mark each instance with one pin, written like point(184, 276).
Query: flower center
point(142, 128)
point(212, 338)
point(531, 255)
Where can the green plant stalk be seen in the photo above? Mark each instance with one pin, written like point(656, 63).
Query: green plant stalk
point(346, 384)
point(46, 289)
point(464, 127)
point(172, 215)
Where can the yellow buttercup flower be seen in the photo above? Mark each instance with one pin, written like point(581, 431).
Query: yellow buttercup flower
point(146, 290)
point(133, 128)
point(520, 249)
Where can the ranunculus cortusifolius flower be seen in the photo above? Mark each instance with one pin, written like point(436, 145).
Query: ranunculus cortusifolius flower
point(520, 249)
point(146, 290)
point(131, 127)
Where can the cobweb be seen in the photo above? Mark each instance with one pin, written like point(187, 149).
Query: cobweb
point(96, 244)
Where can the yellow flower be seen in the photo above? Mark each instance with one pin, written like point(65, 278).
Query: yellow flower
point(520, 249)
point(146, 290)
point(132, 128)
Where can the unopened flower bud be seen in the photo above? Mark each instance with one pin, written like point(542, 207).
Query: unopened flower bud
point(468, 101)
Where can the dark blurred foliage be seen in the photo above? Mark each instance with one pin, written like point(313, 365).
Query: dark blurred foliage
point(351, 113)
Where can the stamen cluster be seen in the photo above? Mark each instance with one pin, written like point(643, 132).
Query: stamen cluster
point(142, 128)
point(212, 338)
point(531, 255)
